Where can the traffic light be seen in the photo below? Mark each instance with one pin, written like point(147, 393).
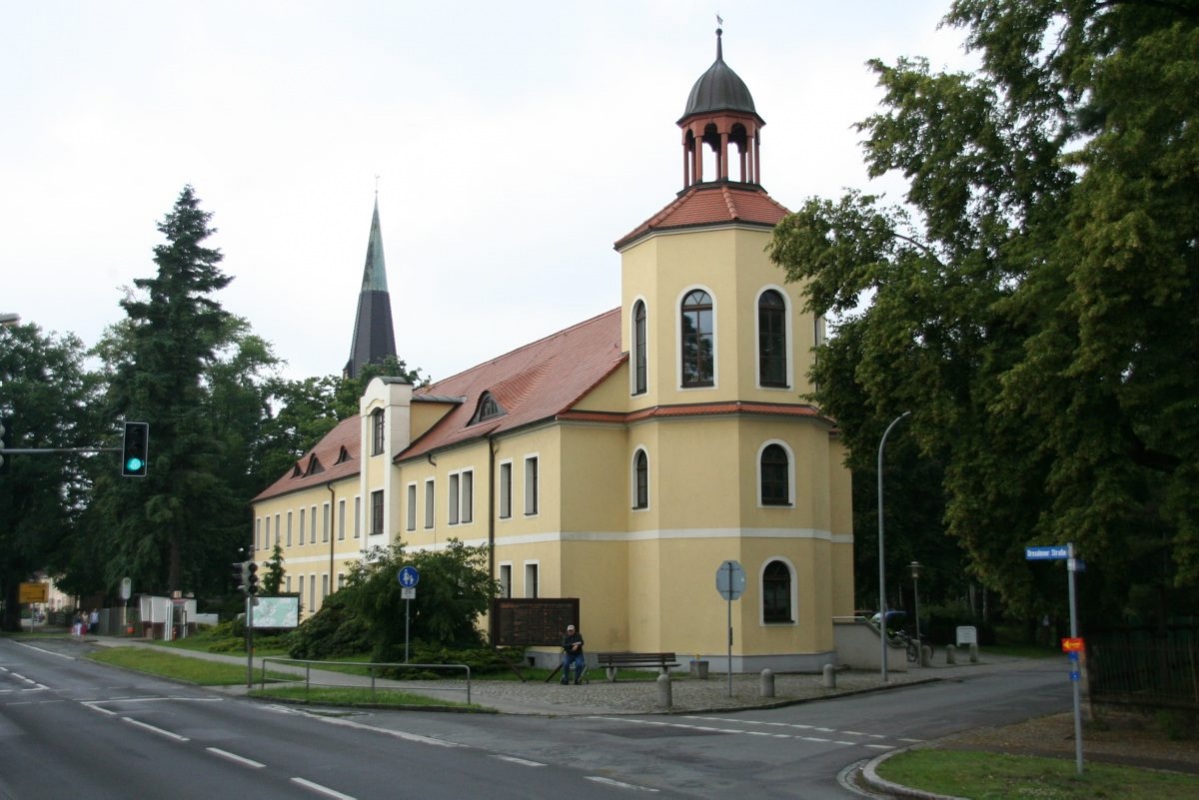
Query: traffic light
point(135, 452)
point(252, 578)
point(240, 575)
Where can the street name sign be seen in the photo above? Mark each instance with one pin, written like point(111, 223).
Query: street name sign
point(1054, 552)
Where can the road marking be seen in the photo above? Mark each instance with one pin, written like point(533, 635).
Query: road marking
point(154, 729)
point(620, 784)
point(44, 650)
point(728, 720)
point(234, 757)
point(514, 760)
point(92, 704)
point(325, 790)
point(408, 737)
point(880, 747)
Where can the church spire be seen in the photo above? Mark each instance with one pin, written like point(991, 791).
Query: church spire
point(374, 338)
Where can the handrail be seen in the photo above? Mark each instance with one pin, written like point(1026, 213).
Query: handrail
point(310, 664)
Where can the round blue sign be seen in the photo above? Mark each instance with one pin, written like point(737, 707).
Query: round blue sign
point(409, 577)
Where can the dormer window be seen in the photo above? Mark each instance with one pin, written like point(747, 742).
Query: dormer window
point(314, 466)
point(343, 456)
point(488, 409)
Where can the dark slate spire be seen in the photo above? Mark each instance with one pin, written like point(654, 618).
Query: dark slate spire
point(719, 89)
point(374, 338)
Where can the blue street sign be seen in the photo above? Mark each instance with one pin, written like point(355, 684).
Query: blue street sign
point(409, 577)
point(1074, 675)
point(1049, 553)
point(1072, 655)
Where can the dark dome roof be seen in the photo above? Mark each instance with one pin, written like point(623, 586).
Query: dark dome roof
point(719, 89)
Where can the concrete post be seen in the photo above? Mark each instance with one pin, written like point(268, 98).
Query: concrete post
point(766, 688)
point(951, 654)
point(830, 676)
point(974, 652)
point(926, 655)
point(664, 689)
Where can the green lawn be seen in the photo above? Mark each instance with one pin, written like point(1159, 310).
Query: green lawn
point(991, 776)
point(341, 696)
point(184, 668)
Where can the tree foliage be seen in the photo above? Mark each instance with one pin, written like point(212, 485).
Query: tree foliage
point(47, 401)
point(1032, 302)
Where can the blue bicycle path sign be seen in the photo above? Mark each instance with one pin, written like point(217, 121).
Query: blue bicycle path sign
point(409, 577)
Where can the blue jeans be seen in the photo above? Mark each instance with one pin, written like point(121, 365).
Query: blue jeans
point(577, 660)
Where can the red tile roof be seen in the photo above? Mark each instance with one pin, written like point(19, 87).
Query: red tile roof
point(320, 464)
point(712, 204)
point(532, 383)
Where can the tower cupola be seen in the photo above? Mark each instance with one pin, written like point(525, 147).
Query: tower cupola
point(720, 112)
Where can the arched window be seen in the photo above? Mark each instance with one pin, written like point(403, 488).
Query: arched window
point(641, 480)
point(772, 339)
point(640, 357)
point(776, 593)
point(775, 475)
point(377, 432)
point(487, 408)
point(697, 339)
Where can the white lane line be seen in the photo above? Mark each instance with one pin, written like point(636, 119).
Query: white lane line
point(880, 747)
point(620, 784)
point(524, 762)
point(408, 737)
point(44, 650)
point(216, 751)
point(325, 790)
point(94, 707)
point(154, 729)
point(911, 740)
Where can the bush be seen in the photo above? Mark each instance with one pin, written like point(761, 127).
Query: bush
point(333, 632)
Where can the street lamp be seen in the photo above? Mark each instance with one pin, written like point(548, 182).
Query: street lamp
point(882, 572)
point(916, 567)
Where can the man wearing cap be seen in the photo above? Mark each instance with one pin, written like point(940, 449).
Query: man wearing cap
point(572, 653)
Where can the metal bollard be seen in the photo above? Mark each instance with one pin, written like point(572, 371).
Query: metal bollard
point(830, 676)
point(664, 689)
point(951, 654)
point(766, 683)
point(974, 652)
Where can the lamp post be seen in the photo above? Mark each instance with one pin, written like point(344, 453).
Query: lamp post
point(916, 567)
point(882, 572)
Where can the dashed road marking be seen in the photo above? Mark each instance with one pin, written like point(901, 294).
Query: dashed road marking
point(325, 790)
point(620, 784)
point(216, 751)
point(771, 734)
point(524, 762)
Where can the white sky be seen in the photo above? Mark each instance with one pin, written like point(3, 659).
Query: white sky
point(515, 142)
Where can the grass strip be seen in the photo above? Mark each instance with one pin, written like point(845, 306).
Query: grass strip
point(356, 696)
point(183, 668)
point(992, 776)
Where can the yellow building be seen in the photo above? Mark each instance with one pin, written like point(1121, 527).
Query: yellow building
point(621, 460)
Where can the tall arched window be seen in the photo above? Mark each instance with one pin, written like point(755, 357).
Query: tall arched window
point(775, 472)
point(377, 431)
point(641, 480)
point(776, 593)
point(772, 339)
point(640, 357)
point(697, 339)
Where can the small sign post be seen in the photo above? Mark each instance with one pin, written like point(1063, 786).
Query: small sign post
point(1074, 645)
point(408, 577)
point(730, 582)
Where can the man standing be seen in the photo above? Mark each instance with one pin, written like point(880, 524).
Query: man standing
point(572, 653)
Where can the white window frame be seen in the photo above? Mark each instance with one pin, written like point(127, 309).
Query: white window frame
point(326, 521)
point(505, 579)
point(452, 499)
point(792, 497)
point(678, 340)
point(375, 531)
point(633, 480)
point(505, 489)
point(533, 569)
point(430, 503)
point(411, 510)
point(258, 534)
point(633, 347)
point(289, 529)
point(532, 488)
point(303, 520)
point(341, 520)
point(357, 516)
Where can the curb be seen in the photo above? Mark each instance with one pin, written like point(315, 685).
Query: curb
point(872, 779)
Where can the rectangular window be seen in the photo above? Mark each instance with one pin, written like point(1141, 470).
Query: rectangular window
point(453, 500)
point(376, 512)
point(429, 500)
point(531, 485)
point(357, 517)
point(505, 580)
point(287, 583)
point(301, 593)
point(325, 522)
point(301, 526)
point(341, 520)
point(530, 580)
point(412, 506)
point(312, 592)
point(324, 587)
point(289, 529)
point(312, 528)
point(278, 530)
point(506, 490)
point(377, 432)
point(266, 543)
point(341, 581)
point(258, 534)
point(468, 496)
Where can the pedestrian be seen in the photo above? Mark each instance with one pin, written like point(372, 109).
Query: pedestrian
point(93, 622)
point(572, 653)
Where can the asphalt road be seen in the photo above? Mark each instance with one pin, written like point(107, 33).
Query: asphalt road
point(73, 728)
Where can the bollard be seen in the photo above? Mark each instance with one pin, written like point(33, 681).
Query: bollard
point(766, 688)
point(951, 654)
point(830, 676)
point(664, 699)
point(974, 652)
point(926, 655)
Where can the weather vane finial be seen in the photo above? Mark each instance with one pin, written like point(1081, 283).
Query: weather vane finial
point(719, 21)
point(377, 184)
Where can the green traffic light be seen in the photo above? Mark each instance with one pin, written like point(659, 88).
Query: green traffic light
point(134, 464)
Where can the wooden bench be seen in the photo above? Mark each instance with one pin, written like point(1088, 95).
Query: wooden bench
point(611, 662)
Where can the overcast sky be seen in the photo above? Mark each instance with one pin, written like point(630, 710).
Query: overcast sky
point(515, 142)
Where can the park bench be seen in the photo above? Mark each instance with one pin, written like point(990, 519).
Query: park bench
point(611, 662)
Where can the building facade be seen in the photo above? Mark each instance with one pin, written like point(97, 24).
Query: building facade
point(623, 459)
